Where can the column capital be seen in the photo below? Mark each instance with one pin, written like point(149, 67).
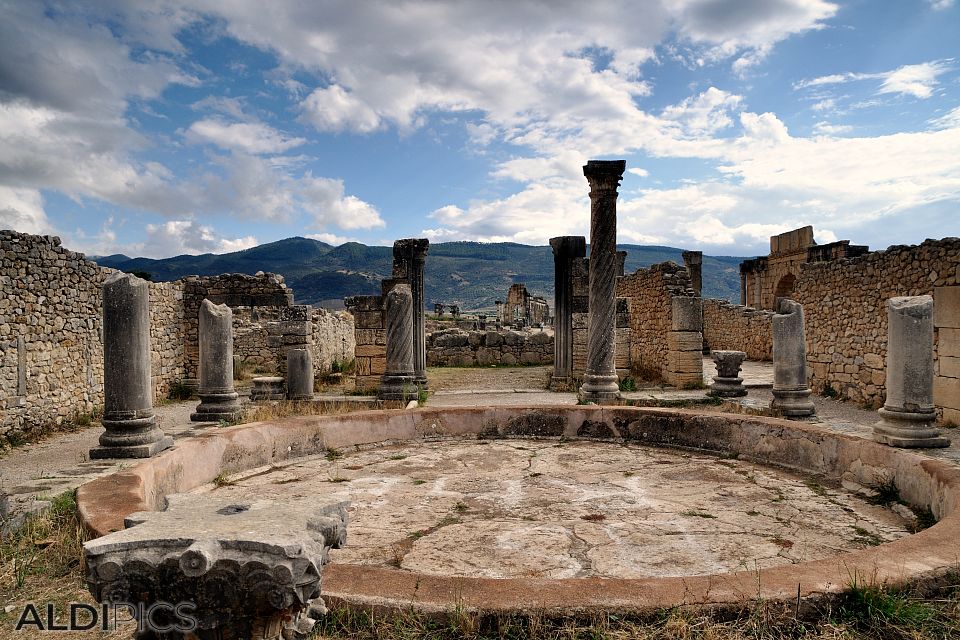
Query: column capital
point(569, 246)
point(604, 174)
point(413, 247)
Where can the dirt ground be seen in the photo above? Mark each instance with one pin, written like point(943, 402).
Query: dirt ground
point(488, 378)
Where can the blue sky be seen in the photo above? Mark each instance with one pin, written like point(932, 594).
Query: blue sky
point(162, 127)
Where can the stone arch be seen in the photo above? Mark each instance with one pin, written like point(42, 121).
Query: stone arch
point(785, 286)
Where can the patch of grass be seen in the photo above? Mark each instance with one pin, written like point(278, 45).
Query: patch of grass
point(696, 513)
point(222, 480)
point(398, 456)
point(179, 391)
point(628, 384)
point(419, 482)
point(829, 392)
point(925, 519)
point(422, 395)
point(817, 488)
point(461, 507)
point(753, 513)
point(887, 492)
point(884, 613)
point(865, 537)
point(333, 454)
point(627, 474)
point(535, 474)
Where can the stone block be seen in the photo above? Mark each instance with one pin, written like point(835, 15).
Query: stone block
point(580, 321)
point(371, 336)
point(529, 357)
point(687, 313)
point(685, 341)
point(946, 392)
point(946, 307)
point(508, 358)
point(362, 365)
point(492, 339)
point(368, 319)
point(873, 361)
point(949, 343)
point(378, 366)
point(949, 367)
point(951, 416)
point(295, 313)
point(371, 350)
point(685, 361)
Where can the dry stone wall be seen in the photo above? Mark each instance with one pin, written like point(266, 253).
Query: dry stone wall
point(51, 348)
point(846, 321)
point(946, 323)
point(370, 361)
point(735, 327)
point(657, 350)
point(458, 348)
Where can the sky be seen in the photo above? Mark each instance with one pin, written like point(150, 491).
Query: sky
point(158, 128)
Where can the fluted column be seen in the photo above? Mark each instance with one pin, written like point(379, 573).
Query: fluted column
point(908, 414)
point(218, 398)
point(409, 258)
point(399, 382)
point(600, 382)
point(565, 249)
point(128, 419)
point(791, 394)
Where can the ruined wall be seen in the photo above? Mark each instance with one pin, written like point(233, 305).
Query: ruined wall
point(51, 350)
point(946, 322)
point(844, 304)
point(738, 328)
point(657, 351)
point(458, 348)
point(371, 341)
point(333, 338)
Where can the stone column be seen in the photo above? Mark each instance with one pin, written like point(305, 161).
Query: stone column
point(218, 398)
point(565, 249)
point(130, 425)
point(743, 288)
point(600, 382)
point(693, 260)
point(907, 416)
point(299, 374)
point(399, 381)
point(409, 256)
point(790, 391)
point(757, 291)
point(728, 383)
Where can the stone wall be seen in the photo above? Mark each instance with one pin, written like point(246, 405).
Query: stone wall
point(946, 323)
point(657, 350)
point(458, 348)
point(846, 319)
point(370, 353)
point(333, 338)
point(738, 328)
point(51, 350)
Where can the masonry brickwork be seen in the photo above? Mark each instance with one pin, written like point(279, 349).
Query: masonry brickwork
point(844, 302)
point(458, 348)
point(657, 350)
point(734, 327)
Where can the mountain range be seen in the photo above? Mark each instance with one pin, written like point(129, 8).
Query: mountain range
point(471, 274)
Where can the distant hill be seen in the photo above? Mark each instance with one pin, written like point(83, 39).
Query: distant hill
point(471, 274)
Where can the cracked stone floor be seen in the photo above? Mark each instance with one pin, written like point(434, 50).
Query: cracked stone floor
point(527, 508)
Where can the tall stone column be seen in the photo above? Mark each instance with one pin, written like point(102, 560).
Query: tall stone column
point(791, 395)
point(128, 419)
point(600, 382)
point(907, 416)
point(218, 398)
point(409, 257)
point(693, 260)
point(565, 249)
point(399, 381)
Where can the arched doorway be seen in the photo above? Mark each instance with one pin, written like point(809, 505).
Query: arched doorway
point(785, 286)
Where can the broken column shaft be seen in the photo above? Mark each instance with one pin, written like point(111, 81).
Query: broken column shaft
point(791, 394)
point(908, 414)
point(218, 398)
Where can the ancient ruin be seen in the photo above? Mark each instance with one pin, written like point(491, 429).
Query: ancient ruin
point(601, 383)
point(728, 383)
point(218, 398)
point(521, 309)
point(399, 378)
point(299, 374)
point(908, 414)
point(565, 249)
point(130, 429)
point(791, 395)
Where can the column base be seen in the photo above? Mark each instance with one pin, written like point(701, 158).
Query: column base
point(421, 381)
point(600, 389)
point(132, 451)
point(397, 388)
point(727, 388)
point(215, 407)
point(793, 403)
point(908, 429)
point(561, 383)
point(300, 397)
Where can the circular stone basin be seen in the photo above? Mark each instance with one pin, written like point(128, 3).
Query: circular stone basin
point(544, 509)
point(618, 519)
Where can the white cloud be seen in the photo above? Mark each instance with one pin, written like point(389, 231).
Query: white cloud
point(950, 119)
point(248, 137)
point(917, 80)
point(827, 129)
point(175, 237)
point(334, 109)
point(22, 209)
point(331, 238)
point(940, 5)
point(704, 114)
point(637, 171)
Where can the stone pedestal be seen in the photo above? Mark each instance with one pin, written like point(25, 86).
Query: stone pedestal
point(565, 249)
point(267, 388)
point(908, 415)
point(249, 569)
point(791, 394)
point(399, 382)
point(128, 419)
point(299, 374)
point(728, 383)
point(600, 384)
point(409, 256)
point(218, 398)
point(693, 260)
